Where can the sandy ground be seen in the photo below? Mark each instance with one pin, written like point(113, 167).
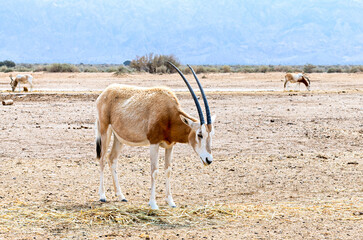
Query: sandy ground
point(292, 161)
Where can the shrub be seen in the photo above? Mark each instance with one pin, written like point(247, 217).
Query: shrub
point(212, 70)
point(262, 69)
point(111, 69)
point(121, 70)
point(199, 69)
point(186, 70)
point(3, 68)
point(7, 63)
point(356, 69)
point(127, 63)
point(23, 69)
point(226, 69)
point(334, 70)
point(248, 69)
point(150, 62)
point(91, 69)
point(161, 69)
point(41, 68)
point(308, 68)
point(64, 67)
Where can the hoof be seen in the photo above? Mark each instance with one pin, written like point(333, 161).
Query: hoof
point(154, 206)
point(103, 200)
point(123, 200)
point(173, 206)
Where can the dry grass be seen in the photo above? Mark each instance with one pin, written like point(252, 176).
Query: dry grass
point(21, 216)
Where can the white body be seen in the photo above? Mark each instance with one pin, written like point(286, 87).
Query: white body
point(24, 79)
point(296, 78)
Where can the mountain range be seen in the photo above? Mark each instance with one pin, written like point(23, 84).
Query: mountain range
point(196, 32)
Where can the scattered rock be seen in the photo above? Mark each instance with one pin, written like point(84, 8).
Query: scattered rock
point(352, 163)
point(8, 102)
point(321, 156)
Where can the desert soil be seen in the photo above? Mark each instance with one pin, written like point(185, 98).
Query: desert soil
point(290, 163)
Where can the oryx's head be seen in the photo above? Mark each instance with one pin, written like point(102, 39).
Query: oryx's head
point(306, 81)
point(13, 83)
point(200, 136)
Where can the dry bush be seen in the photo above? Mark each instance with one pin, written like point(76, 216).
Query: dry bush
point(226, 69)
point(110, 69)
point(186, 70)
point(150, 63)
point(262, 69)
point(121, 70)
point(161, 69)
point(356, 69)
point(309, 68)
point(5, 69)
point(62, 67)
point(91, 69)
point(334, 70)
point(199, 69)
point(212, 70)
point(41, 68)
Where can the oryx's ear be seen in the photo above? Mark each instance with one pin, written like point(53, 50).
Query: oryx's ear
point(189, 122)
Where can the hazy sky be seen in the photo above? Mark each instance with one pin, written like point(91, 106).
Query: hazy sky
point(196, 32)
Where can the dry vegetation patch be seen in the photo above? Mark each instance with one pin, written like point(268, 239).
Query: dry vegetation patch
point(20, 216)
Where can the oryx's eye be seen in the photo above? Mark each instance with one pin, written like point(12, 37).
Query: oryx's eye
point(200, 135)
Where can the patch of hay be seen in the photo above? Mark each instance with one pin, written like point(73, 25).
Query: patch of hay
point(21, 216)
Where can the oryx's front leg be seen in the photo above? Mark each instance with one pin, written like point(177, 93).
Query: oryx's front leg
point(154, 153)
point(112, 162)
point(31, 86)
point(168, 167)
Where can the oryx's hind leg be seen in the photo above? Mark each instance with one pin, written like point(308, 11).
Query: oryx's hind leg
point(105, 132)
point(168, 167)
point(112, 162)
point(286, 85)
point(154, 154)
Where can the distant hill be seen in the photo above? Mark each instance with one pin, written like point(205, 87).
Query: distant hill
point(197, 32)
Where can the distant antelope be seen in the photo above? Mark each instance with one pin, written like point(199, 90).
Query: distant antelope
point(149, 116)
point(27, 78)
point(297, 78)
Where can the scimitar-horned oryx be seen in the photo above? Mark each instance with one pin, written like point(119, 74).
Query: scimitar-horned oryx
point(297, 78)
point(149, 116)
point(27, 78)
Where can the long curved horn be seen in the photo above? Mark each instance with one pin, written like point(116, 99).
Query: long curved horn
point(307, 79)
point(207, 111)
point(200, 113)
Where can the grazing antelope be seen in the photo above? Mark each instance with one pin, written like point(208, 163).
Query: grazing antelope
point(27, 78)
point(297, 78)
point(139, 116)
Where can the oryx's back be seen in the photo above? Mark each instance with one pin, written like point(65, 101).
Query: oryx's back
point(124, 99)
point(133, 111)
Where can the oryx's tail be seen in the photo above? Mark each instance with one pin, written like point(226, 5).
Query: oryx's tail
point(98, 138)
